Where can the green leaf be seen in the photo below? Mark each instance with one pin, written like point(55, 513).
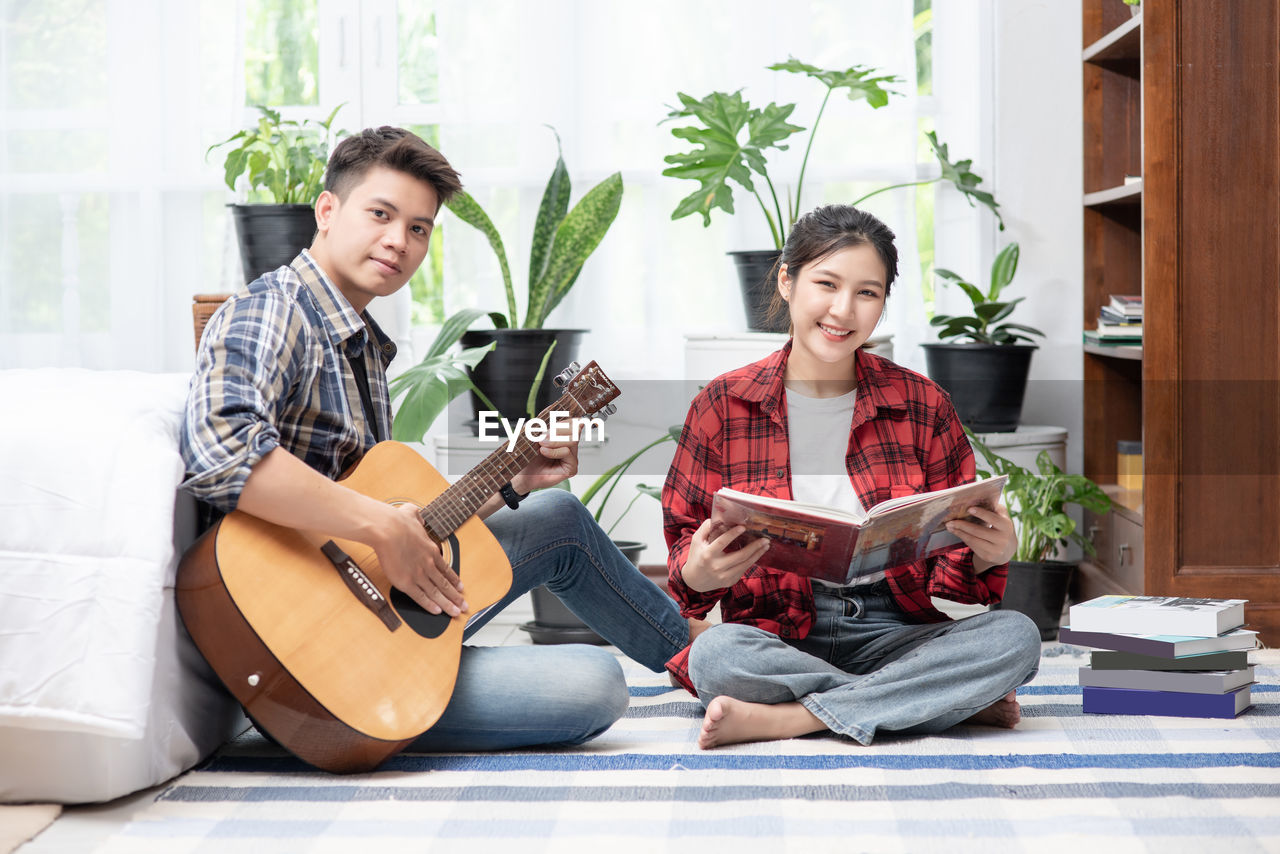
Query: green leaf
point(551, 212)
point(577, 237)
point(1003, 268)
point(857, 79)
point(1030, 329)
point(990, 312)
point(531, 404)
point(452, 329)
point(651, 491)
point(427, 389)
point(962, 178)
point(719, 154)
point(469, 211)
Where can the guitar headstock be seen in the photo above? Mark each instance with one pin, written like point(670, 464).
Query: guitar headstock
point(585, 391)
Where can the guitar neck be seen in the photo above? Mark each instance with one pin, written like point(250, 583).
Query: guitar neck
point(460, 501)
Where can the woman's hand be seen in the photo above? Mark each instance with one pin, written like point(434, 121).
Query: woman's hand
point(709, 567)
point(992, 537)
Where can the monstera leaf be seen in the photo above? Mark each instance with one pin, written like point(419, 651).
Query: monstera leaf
point(857, 79)
point(964, 180)
point(721, 153)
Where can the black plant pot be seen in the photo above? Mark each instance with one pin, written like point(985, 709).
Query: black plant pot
point(757, 276)
point(506, 374)
point(553, 622)
point(1038, 590)
point(987, 382)
point(271, 236)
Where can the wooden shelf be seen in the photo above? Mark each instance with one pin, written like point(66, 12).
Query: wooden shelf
point(1115, 351)
point(1125, 194)
point(1119, 48)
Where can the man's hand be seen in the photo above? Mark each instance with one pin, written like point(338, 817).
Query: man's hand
point(413, 563)
point(556, 461)
point(709, 567)
point(992, 537)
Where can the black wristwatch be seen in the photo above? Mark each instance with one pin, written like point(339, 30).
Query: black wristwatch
point(509, 495)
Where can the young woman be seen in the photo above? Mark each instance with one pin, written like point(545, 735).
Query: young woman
point(824, 421)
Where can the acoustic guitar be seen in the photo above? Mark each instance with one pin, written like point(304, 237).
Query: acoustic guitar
point(339, 667)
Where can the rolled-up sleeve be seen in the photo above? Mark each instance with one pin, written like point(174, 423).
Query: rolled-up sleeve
point(691, 483)
point(251, 355)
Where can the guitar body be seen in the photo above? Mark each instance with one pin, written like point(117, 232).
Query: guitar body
point(304, 652)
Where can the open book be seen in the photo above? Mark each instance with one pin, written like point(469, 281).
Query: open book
point(838, 546)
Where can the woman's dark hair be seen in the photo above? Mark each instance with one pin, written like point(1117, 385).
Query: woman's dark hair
point(826, 230)
point(393, 148)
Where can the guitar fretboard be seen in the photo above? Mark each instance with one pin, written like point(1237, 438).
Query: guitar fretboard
point(460, 501)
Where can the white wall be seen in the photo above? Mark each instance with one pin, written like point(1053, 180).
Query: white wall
point(1037, 150)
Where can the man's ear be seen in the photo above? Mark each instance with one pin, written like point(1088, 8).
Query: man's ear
point(326, 206)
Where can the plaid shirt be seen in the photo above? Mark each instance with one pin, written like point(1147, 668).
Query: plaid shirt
point(272, 371)
point(904, 439)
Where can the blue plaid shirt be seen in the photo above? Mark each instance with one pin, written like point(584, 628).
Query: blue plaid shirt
point(272, 371)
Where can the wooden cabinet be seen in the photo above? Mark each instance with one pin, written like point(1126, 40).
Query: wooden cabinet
point(1187, 95)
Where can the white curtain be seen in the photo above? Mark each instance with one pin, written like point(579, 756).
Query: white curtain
point(111, 218)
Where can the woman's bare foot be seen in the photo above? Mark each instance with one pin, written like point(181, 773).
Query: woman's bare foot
point(1004, 712)
point(730, 721)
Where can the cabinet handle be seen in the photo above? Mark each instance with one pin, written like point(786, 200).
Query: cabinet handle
point(1093, 534)
point(1124, 547)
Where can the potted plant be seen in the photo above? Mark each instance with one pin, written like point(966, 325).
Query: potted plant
point(981, 360)
point(1037, 584)
point(427, 388)
point(731, 139)
point(283, 165)
point(552, 621)
point(563, 239)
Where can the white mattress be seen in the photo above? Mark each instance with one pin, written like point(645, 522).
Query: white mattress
point(101, 691)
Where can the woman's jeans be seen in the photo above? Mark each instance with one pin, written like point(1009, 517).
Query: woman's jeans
point(864, 667)
point(518, 696)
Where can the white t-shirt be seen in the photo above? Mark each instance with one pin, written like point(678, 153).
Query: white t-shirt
point(818, 434)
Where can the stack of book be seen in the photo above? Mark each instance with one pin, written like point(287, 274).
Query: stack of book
point(1119, 322)
point(1163, 655)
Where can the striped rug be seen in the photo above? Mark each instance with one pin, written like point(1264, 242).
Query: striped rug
point(1060, 781)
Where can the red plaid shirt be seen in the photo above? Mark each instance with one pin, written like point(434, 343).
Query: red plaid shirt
point(904, 439)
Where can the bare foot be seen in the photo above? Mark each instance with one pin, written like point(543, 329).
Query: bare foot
point(730, 721)
point(1004, 712)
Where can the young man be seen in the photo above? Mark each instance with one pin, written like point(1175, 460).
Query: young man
point(275, 414)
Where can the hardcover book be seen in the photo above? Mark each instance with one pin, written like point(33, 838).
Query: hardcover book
point(1165, 646)
point(838, 546)
point(1109, 659)
point(1130, 306)
point(1125, 701)
point(1191, 682)
point(1158, 615)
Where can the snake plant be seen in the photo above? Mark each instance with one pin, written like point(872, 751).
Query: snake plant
point(563, 239)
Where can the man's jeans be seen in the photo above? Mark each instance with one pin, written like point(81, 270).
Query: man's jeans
point(865, 668)
point(519, 696)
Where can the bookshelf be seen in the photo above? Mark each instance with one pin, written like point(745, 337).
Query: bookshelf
point(1112, 205)
point(1180, 200)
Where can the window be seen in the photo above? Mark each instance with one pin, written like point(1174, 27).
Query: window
point(111, 217)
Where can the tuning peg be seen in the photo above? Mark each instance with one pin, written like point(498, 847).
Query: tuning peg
point(609, 409)
point(562, 379)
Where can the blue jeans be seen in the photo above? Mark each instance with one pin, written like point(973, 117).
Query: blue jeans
point(864, 667)
point(519, 696)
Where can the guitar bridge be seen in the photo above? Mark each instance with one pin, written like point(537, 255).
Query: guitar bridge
point(360, 585)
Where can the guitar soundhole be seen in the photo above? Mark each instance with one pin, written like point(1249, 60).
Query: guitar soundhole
point(416, 617)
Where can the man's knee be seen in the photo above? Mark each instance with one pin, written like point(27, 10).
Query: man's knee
point(600, 690)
